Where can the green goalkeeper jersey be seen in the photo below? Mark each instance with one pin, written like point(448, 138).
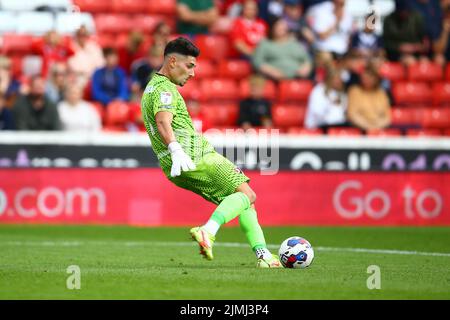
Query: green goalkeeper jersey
point(162, 95)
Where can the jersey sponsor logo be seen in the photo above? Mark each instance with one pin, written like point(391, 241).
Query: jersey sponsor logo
point(166, 98)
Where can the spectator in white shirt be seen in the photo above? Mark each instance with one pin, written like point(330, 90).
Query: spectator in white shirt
point(327, 104)
point(87, 58)
point(333, 26)
point(77, 114)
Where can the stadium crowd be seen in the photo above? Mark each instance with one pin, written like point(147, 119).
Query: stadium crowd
point(303, 66)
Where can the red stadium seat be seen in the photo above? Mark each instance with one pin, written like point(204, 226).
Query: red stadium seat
point(294, 91)
point(235, 69)
point(146, 23)
point(121, 39)
point(221, 115)
point(436, 118)
point(112, 23)
point(117, 113)
point(342, 132)
point(136, 115)
point(223, 25)
point(94, 6)
point(285, 116)
point(205, 69)
point(404, 117)
point(16, 65)
point(191, 90)
point(129, 6)
point(411, 93)
point(447, 71)
point(219, 90)
point(212, 47)
point(423, 133)
point(425, 72)
point(16, 44)
point(393, 71)
point(269, 89)
point(304, 132)
point(384, 133)
point(166, 7)
point(441, 93)
point(105, 40)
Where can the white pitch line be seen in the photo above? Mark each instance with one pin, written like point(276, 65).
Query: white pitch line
point(219, 244)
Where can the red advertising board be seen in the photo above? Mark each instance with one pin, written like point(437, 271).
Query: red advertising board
point(145, 197)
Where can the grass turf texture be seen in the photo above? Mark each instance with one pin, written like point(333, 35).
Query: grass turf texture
point(140, 263)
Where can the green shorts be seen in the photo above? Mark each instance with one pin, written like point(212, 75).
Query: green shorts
point(214, 179)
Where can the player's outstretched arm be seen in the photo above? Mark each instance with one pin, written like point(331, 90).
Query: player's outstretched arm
point(180, 160)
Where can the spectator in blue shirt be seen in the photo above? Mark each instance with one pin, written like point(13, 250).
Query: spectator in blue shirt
point(366, 43)
point(110, 83)
point(143, 69)
point(431, 12)
point(6, 117)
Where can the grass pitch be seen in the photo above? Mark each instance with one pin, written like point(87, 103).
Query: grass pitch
point(162, 263)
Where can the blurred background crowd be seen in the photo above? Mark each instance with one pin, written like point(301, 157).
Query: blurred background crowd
point(306, 67)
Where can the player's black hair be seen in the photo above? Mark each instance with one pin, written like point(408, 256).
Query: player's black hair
point(181, 46)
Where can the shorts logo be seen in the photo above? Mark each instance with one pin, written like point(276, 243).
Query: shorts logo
point(166, 98)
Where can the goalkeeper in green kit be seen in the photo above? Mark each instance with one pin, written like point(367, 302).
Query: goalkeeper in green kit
point(190, 161)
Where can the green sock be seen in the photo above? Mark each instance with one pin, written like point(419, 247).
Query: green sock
point(248, 221)
point(230, 208)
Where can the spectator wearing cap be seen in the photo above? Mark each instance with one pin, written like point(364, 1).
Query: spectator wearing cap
point(110, 82)
point(195, 16)
point(247, 31)
point(404, 34)
point(35, 111)
point(87, 58)
point(282, 56)
point(333, 26)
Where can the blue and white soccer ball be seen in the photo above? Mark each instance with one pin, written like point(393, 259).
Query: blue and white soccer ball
point(296, 252)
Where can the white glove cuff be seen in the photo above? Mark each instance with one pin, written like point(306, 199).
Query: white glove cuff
point(174, 146)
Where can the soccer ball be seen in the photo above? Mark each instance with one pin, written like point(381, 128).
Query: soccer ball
point(296, 252)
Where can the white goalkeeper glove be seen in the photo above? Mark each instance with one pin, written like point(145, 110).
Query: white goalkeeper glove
point(180, 160)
